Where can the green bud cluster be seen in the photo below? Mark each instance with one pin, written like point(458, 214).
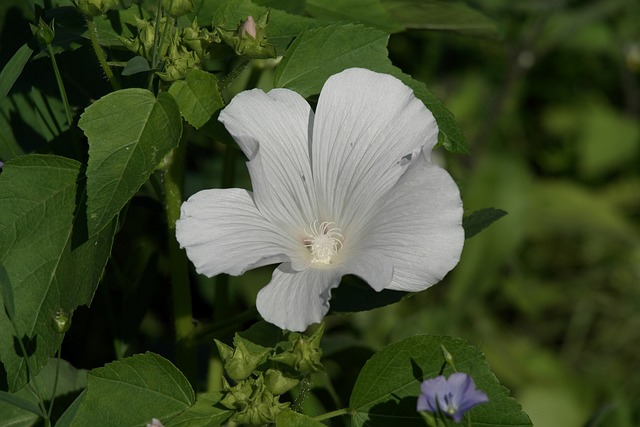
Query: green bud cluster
point(93, 8)
point(177, 8)
point(259, 375)
point(253, 402)
point(304, 353)
point(249, 39)
point(182, 50)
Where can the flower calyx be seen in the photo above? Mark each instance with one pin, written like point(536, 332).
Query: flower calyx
point(43, 33)
point(93, 8)
point(304, 353)
point(239, 363)
point(249, 38)
point(252, 402)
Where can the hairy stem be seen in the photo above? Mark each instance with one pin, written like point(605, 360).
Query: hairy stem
point(102, 59)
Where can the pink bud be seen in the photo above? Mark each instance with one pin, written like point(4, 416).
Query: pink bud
point(249, 27)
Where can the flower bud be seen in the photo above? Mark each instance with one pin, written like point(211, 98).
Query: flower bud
point(61, 321)
point(254, 405)
point(448, 357)
point(178, 8)
point(249, 39)
point(198, 39)
point(43, 33)
point(249, 28)
point(93, 8)
point(155, 423)
point(306, 353)
point(278, 383)
point(239, 363)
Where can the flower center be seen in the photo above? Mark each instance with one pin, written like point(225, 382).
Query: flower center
point(324, 241)
point(450, 407)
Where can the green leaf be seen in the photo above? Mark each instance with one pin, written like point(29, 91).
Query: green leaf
point(295, 7)
point(202, 414)
point(21, 406)
point(288, 418)
point(136, 65)
point(129, 132)
point(197, 96)
point(7, 293)
point(45, 250)
point(389, 384)
point(479, 220)
point(12, 70)
point(319, 53)
point(69, 414)
point(132, 391)
point(281, 29)
point(19, 402)
point(259, 337)
point(441, 15)
point(367, 12)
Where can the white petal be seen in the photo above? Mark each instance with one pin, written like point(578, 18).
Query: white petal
point(293, 300)
point(367, 125)
point(223, 232)
point(419, 227)
point(370, 265)
point(273, 131)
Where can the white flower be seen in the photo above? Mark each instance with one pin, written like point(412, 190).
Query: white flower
point(347, 190)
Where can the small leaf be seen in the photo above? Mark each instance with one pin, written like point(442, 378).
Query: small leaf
point(132, 391)
point(288, 418)
point(13, 69)
point(319, 53)
point(129, 132)
point(136, 65)
point(387, 385)
point(479, 220)
point(197, 96)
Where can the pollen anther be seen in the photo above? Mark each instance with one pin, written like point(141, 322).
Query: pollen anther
point(324, 241)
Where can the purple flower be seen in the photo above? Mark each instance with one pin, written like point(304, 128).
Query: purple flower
point(453, 396)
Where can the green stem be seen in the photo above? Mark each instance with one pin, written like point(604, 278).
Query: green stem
point(30, 387)
point(63, 92)
point(55, 381)
point(183, 318)
point(102, 59)
point(332, 414)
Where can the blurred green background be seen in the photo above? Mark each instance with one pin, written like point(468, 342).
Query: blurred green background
point(551, 292)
